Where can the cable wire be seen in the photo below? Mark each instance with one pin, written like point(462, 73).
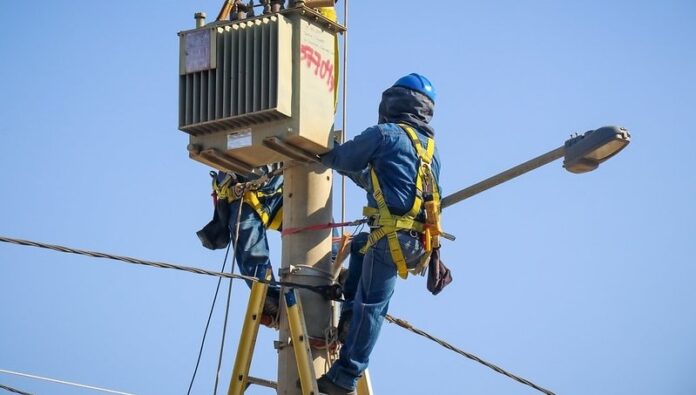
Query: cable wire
point(397, 321)
point(322, 290)
point(344, 107)
point(407, 326)
point(31, 376)
point(14, 390)
point(229, 295)
point(207, 325)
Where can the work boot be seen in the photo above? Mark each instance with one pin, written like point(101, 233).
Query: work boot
point(328, 387)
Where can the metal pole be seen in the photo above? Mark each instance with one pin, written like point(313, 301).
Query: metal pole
point(344, 126)
point(507, 175)
point(306, 260)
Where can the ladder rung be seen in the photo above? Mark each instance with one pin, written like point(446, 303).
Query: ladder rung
point(262, 382)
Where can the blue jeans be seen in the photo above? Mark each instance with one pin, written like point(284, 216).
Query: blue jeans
point(368, 289)
point(251, 248)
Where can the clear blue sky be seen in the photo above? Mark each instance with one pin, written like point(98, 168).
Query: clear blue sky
point(583, 284)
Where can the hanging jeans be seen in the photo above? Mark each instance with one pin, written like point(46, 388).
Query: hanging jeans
point(368, 289)
point(251, 247)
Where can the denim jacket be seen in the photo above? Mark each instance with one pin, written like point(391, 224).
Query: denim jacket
point(387, 148)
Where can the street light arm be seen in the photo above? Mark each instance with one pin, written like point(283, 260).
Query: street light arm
point(500, 178)
point(582, 153)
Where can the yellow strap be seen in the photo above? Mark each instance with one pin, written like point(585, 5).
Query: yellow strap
point(399, 222)
point(397, 254)
point(394, 248)
point(424, 154)
point(433, 231)
point(252, 199)
point(390, 224)
point(277, 191)
point(222, 191)
point(386, 230)
point(277, 221)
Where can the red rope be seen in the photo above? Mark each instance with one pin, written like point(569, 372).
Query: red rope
point(292, 231)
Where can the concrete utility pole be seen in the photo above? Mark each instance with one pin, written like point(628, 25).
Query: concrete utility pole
point(262, 89)
point(307, 260)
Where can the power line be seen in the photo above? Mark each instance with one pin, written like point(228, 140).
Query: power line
point(229, 296)
point(407, 326)
point(14, 390)
point(207, 325)
point(397, 321)
point(31, 376)
point(126, 259)
point(325, 290)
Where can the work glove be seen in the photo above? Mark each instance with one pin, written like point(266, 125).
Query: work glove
point(439, 276)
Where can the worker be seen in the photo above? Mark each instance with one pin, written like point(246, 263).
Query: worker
point(261, 209)
point(389, 161)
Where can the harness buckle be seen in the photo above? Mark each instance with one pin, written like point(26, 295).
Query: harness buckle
point(373, 221)
point(238, 191)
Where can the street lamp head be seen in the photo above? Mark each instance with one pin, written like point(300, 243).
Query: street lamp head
point(585, 152)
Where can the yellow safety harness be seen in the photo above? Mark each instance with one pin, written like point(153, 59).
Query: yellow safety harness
point(252, 197)
point(385, 224)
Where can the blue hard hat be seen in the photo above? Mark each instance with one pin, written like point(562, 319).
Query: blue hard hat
point(418, 83)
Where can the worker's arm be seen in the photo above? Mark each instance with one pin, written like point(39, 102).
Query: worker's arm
point(354, 155)
point(360, 178)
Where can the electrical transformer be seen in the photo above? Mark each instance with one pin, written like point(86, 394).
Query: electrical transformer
point(258, 90)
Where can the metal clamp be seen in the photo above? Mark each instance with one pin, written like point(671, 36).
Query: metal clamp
point(330, 292)
point(285, 271)
point(281, 344)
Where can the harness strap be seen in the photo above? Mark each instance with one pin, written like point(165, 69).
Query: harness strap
point(251, 198)
point(277, 221)
point(387, 224)
point(400, 222)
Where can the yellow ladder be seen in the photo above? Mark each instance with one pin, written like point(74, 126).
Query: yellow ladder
point(300, 342)
point(247, 340)
point(303, 355)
